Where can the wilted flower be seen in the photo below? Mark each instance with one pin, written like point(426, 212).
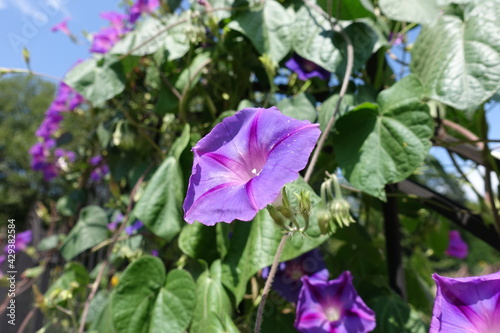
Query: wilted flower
point(457, 247)
point(287, 281)
point(62, 27)
point(306, 69)
point(243, 163)
point(470, 304)
point(142, 6)
point(332, 306)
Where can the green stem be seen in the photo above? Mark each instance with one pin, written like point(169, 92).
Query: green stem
point(269, 281)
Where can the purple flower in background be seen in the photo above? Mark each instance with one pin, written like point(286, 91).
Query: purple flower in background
point(332, 306)
point(114, 224)
point(142, 6)
point(244, 162)
point(154, 253)
point(470, 304)
point(21, 241)
point(287, 281)
point(95, 160)
point(457, 247)
point(306, 69)
point(134, 227)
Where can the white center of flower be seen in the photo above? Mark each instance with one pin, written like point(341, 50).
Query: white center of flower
point(254, 171)
point(332, 313)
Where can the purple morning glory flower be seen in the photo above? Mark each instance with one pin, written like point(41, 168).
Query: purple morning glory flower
point(134, 227)
point(21, 241)
point(457, 247)
point(470, 304)
point(306, 69)
point(332, 306)
point(142, 6)
point(244, 162)
point(154, 253)
point(287, 281)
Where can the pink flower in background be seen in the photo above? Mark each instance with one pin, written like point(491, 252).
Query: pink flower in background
point(457, 247)
point(62, 27)
point(332, 306)
point(117, 20)
point(244, 162)
point(142, 6)
point(470, 304)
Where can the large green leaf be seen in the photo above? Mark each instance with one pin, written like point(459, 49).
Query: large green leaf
point(160, 205)
point(253, 244)
point(395, 316)
point(212, 298)
point(376, 146)
point(268, 29)
point(314, 40)
point(419, 11)
point(147, 300)
point(458, 59)
point(97, 79)
point(152, 34)
point(348, 9)
point(90, 230)
point(298, 107)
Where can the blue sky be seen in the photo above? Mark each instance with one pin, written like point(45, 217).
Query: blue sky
point(27, 23)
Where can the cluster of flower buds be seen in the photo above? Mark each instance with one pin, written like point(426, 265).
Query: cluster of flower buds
point(335, 209)
point(286, 216)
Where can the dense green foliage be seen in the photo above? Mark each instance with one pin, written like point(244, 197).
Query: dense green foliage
point(177, 74)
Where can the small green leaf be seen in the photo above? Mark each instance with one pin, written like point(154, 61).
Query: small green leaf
point(375, 147)
point(418, 11)
point(267, 28)
point(147, 300)
point(97, 79)
point(298, 107)
point(458, 60)
point(160, 205)
point(90, 230)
